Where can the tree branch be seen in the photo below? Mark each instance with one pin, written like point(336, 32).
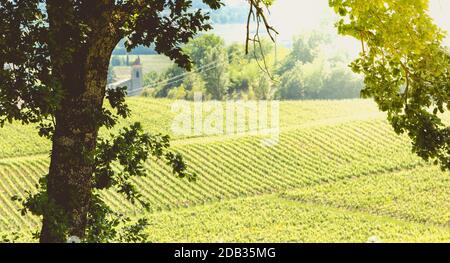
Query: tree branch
point(256, 10)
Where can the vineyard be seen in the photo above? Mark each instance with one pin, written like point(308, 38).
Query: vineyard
point(338, 174)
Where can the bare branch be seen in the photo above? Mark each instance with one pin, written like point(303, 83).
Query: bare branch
point(257, 11)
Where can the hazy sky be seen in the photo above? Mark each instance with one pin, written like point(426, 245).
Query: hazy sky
point(292, 17)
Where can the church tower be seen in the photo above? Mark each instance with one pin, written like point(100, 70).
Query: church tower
point(137, 78)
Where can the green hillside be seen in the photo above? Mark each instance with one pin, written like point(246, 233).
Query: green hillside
point(339, 173)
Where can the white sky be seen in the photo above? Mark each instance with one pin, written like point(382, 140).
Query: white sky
point(292, 17)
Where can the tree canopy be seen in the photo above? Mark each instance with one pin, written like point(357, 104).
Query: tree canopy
point(406, 68)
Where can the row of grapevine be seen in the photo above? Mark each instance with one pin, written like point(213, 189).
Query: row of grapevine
point(421, 195)
point(156, 117)
point(270, 218)
point(231, 167)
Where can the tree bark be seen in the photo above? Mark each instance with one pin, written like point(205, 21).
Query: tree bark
point(69, 183)
point(82, 75)
point(70, 178)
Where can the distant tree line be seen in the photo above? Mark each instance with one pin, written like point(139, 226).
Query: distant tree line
point(121, 60)
point(228, 14)
point(308, 72)
point(139, 50)
point(220, 72)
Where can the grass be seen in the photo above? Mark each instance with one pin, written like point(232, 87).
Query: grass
point(339, 173)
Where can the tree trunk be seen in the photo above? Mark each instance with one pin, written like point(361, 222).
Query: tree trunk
point(69, 183)
point(70, 179)
point(80, 67)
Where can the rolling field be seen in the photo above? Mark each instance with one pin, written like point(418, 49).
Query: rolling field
point(338, 174)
